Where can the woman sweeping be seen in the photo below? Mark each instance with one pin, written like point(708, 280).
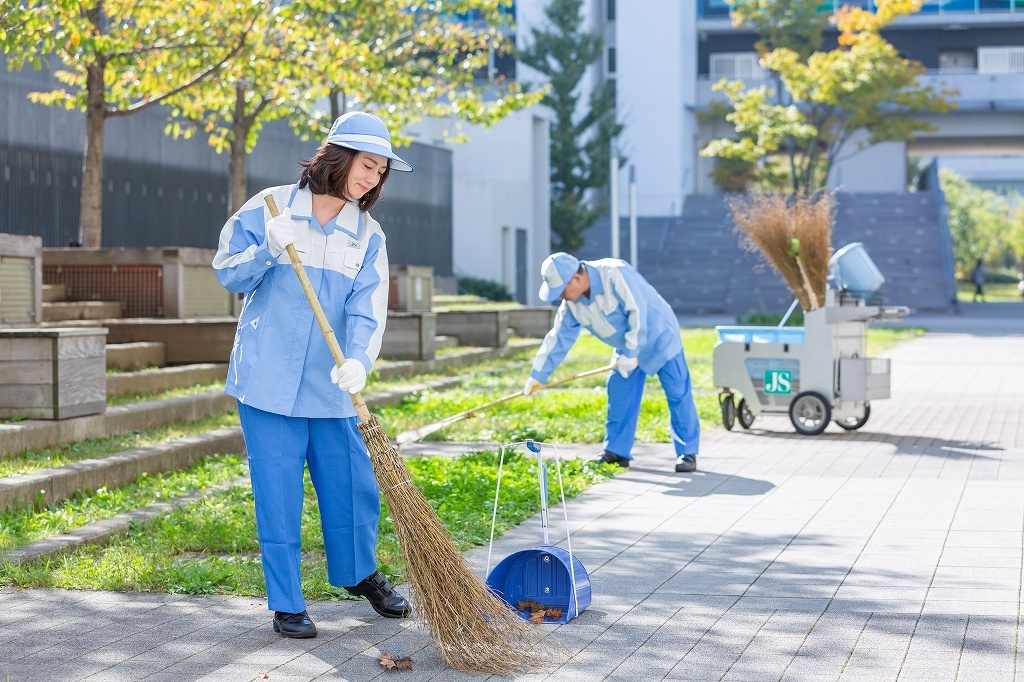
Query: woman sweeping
point(294, 402)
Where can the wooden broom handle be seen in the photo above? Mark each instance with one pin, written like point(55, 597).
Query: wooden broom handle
point(318, 311)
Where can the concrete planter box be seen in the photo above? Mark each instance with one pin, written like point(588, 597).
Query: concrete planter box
point(53, 373)
point(531, 323)
point(409, 336)
point(412, 288)
point(488, 328)
point(171, 283)
point(185, 341)
point(21, 280)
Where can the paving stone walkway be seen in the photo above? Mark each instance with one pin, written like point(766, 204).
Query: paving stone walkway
point(890, 553)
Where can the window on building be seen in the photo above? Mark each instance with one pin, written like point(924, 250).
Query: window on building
point(957, 61)
point(736, 65)
point(610, 9)
point(611, 60)
point(1001, 60)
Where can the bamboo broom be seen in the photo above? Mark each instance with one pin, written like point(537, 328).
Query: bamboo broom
point(474, 630)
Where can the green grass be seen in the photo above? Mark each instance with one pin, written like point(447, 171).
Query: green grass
point(22, 526)
point(90, 448)
point(994, 291)
point(212, 547)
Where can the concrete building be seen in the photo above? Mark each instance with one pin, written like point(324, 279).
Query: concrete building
point(665, 55)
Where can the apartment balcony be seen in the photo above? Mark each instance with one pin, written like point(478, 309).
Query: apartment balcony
point(977, 92)
point(719, 8)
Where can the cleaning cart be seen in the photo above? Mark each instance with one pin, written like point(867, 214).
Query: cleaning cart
point(545, 575)
point(816, 373)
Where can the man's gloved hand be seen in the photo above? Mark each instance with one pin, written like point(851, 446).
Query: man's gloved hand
point(281, 231)
point(625, 365)
point(350, 376)
point(531, 386)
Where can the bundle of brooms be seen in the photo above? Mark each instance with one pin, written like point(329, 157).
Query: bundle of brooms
point(473, 629)
point(794, 233)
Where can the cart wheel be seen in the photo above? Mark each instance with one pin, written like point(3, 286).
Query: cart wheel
point(855, 423)
point(810, 413)
point(745, 415)
point(728, 410)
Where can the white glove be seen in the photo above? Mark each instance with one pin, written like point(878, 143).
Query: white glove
point(281, 231)
point(625, 365)
point(531, 386)
point(350, 376)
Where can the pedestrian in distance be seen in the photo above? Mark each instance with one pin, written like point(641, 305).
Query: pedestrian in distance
point(294, 403)
point(978, 278)
point(613, 301)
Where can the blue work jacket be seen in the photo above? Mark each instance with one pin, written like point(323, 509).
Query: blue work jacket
point(280, 361)
point(623, 310)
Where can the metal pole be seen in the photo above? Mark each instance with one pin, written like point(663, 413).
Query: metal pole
point(632, 217)
point(613, 190)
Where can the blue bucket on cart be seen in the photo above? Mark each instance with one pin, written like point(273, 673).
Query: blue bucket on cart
point(855, 272)
point(543, 574)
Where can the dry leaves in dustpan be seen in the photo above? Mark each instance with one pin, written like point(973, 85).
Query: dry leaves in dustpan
point(538, 611)
point(391, 663)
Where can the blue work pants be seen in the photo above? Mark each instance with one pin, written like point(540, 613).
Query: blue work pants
point(278, 449)
point(625, 395)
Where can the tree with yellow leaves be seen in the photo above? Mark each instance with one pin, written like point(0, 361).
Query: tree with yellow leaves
point(119, 57)
point(821, 98)
point(402, 60)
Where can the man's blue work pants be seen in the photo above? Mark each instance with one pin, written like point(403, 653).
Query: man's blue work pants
point(278, 448)
point(624, 398)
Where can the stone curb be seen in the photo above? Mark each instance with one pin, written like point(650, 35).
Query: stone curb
point(59, 483)
point(38, 434)
point(164, 378)
point(99, 532)
point(391, 370)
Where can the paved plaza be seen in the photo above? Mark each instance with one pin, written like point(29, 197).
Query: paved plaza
point(890, 553)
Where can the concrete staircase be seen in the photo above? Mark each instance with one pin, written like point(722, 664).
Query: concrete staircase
point(697, 263)
point(57, 309)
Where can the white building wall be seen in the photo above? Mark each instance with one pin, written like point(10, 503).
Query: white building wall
point(657, 52)
point(500, 183)
point(875, 168)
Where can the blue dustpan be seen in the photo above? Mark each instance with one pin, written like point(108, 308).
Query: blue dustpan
point(545, 574)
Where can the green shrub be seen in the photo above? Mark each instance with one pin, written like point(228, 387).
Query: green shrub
point(492, 291)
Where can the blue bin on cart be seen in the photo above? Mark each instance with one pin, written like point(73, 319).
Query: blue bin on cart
point(543, 574)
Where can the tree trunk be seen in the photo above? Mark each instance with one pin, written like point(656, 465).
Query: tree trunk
point(90, 226)
point(237, 179)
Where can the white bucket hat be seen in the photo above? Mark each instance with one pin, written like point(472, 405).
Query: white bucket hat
point(365, 133)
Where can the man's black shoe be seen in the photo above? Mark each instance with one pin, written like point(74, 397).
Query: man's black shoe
point(382, 596)
point(686, 463)
point(611, 458)
point(294, 625)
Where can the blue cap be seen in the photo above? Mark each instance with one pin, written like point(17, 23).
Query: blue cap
point(365, 133)
point(557, 270)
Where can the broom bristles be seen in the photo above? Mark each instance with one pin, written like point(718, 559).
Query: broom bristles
point(473, 629)
point(770, 222)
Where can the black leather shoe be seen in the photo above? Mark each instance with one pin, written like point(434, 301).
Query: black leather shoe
point(382, 596)
point(294, 625)
point(686, 463)
point(611, 458)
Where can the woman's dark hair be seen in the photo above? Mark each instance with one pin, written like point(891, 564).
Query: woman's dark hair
point(327, 173)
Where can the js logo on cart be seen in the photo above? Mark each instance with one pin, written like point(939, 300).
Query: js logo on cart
point(778, 381)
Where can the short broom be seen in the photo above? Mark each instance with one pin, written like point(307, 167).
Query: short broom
point(474, 630)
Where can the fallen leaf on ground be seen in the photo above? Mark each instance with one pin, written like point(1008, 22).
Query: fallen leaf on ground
point(388, 661)
point(537, 616)
point(554, 612)
point(404, 663)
